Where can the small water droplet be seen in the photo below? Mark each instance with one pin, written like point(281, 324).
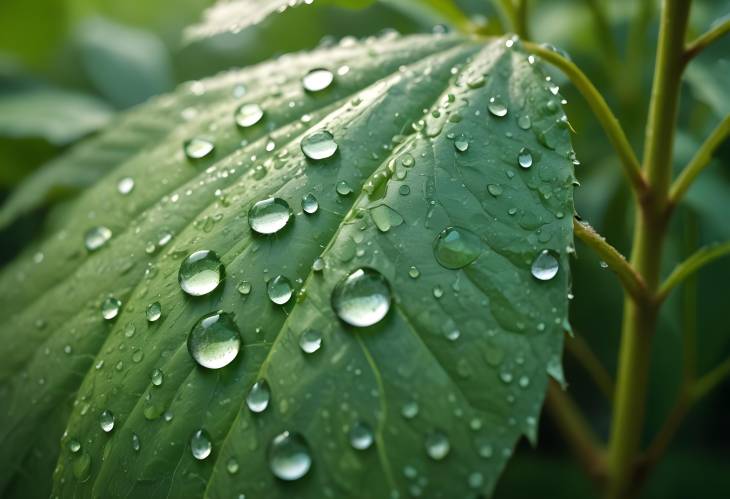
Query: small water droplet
point(198, 148)
point(259, 396)
point(437, 445)
point(110, 308)
point(157, 377)
point(362, 298)
point(248, 115)
point(317, 80)
point(495, 190)
point(106, 421)
point(269, 216)
point(343, 188)
point(310, 340)
point(461, 143)
point(414, 272)
point(289, 456)
point(200, 273)
point(310, 204)
point(319, 145)
point(154, 311)
point(232, 467)
point(200, 444)
point(279, 290)
point(318, 264)
point(497, 107)
point(456, 247)
point(524, 158)
point(244, 287)
point(74, 445)
point(361, 436)
point(404, 190)
point(524, 122)
point(545, 266)
point(96, 237)
point(136, 443)
point(409, 410)
point(214, 341)
point(125, 185)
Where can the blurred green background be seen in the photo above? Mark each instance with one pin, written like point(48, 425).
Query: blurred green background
point(68, 67)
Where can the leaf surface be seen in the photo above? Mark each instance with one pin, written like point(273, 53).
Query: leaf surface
point(461, 353)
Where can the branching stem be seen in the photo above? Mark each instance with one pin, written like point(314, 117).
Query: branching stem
point(701, 42)
point(691, 265)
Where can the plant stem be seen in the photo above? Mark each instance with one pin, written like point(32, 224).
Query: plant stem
point(691, 265)
point(701, 42)
point(699, 161)
point(639, 320)
point(571, 424)
point(631, 166)
point(578, 347)
point(632, 282)
point(521, 27)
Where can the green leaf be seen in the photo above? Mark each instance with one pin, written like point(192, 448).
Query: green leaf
point(709, 82)
point(470, 347)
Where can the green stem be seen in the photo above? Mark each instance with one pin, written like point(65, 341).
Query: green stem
point(639, 320)
point(696, 261)
point(578, 347)
point(699, 161)
point(521, 26)
point(631, 166)
point(632, 282)
point(701, 42)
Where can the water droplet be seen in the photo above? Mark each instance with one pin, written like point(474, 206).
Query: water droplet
point(198, 148)
point(214, 341)
point(259, 396)
point(310, 204)
point(385, 217)
point(414, 272)
point(362, 298)
point(125, 185)
point(269, 216)
point(361, 436)
point(319, 145)
point(248, 115)
point(232, 467)
point(455, 247)
point(404, 190)
point(110, 308)
point(200, 273)
point(74, 445)
point(497, 107)
point(154, 311)
point(343, 188)
point(409, 410)
point(157, 377)
point(318, 264)
point(200, 444)
point(310, 340)
point(106, 421)
point(289, 456)
point(524, 122)
point(461, 143)
point(136, 443)
point(437, 445)
point(317, 79)
point(545, 266)
point(279, 290)
point(495, 190)
point(524, 158)
point(96, 237)
point(244, 287)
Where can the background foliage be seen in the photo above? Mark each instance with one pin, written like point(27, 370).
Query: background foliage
point(67, 66)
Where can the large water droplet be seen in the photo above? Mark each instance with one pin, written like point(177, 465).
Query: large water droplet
point(545, 266)
point(200, 444)
point(289, 456)
point(153, 312)
point(319, 145)
point(259, 396)
point(362, 298)
point(110, 308)
point(317, 79)
point(310, 204)
point(106, 421)
point(455, 247)
point(524, 158)
point(361, 436)
point(248, 115)
point(437, 445)
point(269, 216)
point(214, 341)
point(279, 290)
point(96, 237)
point(200, 273)
point(198, 148)
point(310, 340)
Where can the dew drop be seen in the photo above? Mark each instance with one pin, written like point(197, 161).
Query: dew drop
point(125, 185)
point(110, 308)
point(248, 115)
point(232, 466)
point(497, 107)
point(200, 273)
point(545, 266)
point(200, 444)
point(437, 445)
point(279, 290)
point(318, 264)
point(317, 80)
point(524, 158)
point(310, 340)
point(362, 298)
point(409, 410)
point(524, 122)
point(456, 247)
point(269, 216)
point(74, 445)
point(319, 145)
point(244, 287)
point(361, 436)
point(343, 188)
point(214, 341)
point(136, 443)
point(106, 421)
point(289, 456)
point(258, 396)
point(198, 148)
point(96, 237)
point(310, 204)
point(153, 312)
point(157, 377)
point(461, 143)
point(414, 272)
point(495, 190)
